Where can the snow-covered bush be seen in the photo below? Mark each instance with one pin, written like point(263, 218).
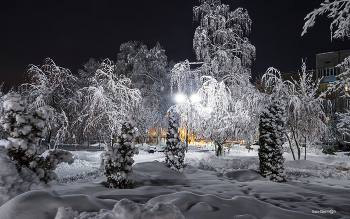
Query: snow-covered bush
point(271, 129)
point(13, 183)
point(27, 129)
point(117, 157)
point(175, 149)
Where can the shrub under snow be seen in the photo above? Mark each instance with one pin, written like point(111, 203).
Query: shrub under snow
point(175, 149)
point(117, 158)
point(27, 129)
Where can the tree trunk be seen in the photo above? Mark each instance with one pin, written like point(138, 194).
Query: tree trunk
point(159, 133)
point(186, 139)
point(219, 151)
point(290, 145)
point(49, 139)
point(296, 143)
point(305, 149)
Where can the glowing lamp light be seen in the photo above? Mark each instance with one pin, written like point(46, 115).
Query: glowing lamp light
point(180, 98)
point(195, 98)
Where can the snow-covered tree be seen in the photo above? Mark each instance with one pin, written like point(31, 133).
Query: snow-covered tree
point(149, 72)
point(305, 118)
point(27, 129)
point(216, 97)
point(107, 101)
point(53, 87)
point(88, 72)
point(117, 157)
point(221, 40)
point(175, 149)
point(223, 79)
point(339, 11)
point(271, 130)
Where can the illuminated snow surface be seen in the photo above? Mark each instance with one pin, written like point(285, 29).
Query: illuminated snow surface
point(209, 187)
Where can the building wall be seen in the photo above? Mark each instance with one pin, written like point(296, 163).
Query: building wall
point(327, 71)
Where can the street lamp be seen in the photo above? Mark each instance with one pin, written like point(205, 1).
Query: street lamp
point(194, 98)
point(181, 98)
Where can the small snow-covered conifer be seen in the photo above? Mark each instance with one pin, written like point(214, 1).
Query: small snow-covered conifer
point(175, 149)
point(117, 158)
point(27, 129)
point(271, 129)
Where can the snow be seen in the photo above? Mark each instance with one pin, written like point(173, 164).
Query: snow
point(208, 187)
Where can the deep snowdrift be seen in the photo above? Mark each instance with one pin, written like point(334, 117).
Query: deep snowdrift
point(209, 187)
point(45, 204)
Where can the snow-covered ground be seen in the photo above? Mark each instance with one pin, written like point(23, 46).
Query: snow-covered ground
point(209, 187)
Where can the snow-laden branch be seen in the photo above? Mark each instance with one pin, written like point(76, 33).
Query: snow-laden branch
point(338, 11)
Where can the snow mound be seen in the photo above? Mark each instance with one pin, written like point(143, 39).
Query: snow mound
point(218, 164)
point(304, 164)
point(43, 205)
point(125, 209)
point(156, 173)
point(2, 142)
point(209, 206)
point(244, 175)
point(76, 165)
point(88, 156)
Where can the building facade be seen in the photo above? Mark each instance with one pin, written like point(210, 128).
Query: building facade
point(327, 70)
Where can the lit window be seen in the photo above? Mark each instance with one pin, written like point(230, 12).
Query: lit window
point(327, 118)
point(346, 87)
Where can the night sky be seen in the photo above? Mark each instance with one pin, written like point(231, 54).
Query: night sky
point(71, 32)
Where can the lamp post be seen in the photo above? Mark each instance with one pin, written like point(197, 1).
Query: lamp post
point(182, 98)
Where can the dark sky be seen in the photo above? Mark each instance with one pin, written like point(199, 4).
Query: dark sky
point(71, 32)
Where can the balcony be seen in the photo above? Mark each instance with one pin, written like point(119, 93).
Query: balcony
point(327, 79)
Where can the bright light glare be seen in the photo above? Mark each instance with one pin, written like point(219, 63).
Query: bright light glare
point(179, 98)
point(195, 98)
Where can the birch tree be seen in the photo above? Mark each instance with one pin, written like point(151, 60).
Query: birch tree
point(51, 86)
point(305, 118)
point(220, 39)
point(338, 10)
point(225, 55)
point(149, 72)
point(108, 100)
